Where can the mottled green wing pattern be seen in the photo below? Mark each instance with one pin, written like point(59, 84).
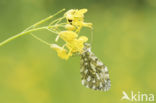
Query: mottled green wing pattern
point(94, 74)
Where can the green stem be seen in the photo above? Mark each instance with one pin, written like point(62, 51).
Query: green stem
point(44, 20)
point(20, 34)
point(31, 28)
point(57, 20)
point(41, 40)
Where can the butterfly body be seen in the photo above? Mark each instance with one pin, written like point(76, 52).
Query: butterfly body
point(94, 74)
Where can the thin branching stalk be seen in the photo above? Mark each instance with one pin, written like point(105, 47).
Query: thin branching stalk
point(41, 40)
point(32, 29)
point(44, 20)
point(20, 34)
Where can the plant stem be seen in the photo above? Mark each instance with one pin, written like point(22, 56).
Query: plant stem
point(20, 34)
point(44, 20)
point(32, 29)
point(57, 20)
point(41, 40)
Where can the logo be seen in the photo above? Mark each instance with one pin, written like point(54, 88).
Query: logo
point(138, 96)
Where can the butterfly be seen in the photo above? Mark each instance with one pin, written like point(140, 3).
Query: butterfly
point(94, 74)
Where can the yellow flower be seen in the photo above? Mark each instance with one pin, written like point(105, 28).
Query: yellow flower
point(73, 44)
point(87, 25)
point(75, 13)
point(75, 17)
point(77, 45)
point(82, 39)
point(70, 27)
point(68, 36)
point(61, 52)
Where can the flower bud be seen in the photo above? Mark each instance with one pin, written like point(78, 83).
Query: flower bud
point(70, 27)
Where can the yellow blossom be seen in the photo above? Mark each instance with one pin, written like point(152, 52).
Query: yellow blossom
point(75, 17)
point(70, 27)
point(87, 25)
point(61, 52)
point(77, 45)
point(73, 44)
point(82, 39)
point(68, 36)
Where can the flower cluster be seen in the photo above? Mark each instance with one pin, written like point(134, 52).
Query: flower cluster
point(73, 42)
point(76, 18)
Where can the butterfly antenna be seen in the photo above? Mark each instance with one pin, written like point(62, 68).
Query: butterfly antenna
point(91, 34)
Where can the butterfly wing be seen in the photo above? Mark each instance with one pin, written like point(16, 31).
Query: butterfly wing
point(94, 74)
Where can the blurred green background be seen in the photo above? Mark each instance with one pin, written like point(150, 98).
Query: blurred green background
point(124, 39)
